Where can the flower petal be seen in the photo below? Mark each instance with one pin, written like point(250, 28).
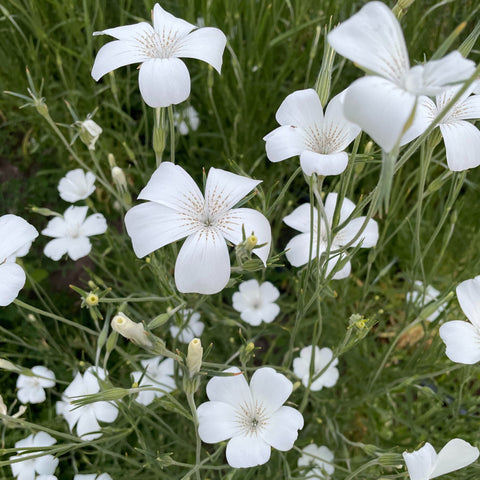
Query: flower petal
point(282, 428)
point(469, 109)
point(105, 411)
point(380, 108)
point(12, 280)
point(77, 247)
point(462, 145)
point(368, 238)
point(205, 44)
point(56, 227)
point(270, 388)
point(216, 421)
point(420, 463)
point(468, 294)
point(46, 465)
point(284, 142)
point(298, 247)
point(164, 81)
point(425, 113)
point(203, 263)
point(87, 424)
point(456, 454)
point(56, 249)
point(253, 222)
point(232, 389)
point(95, 224)
point(373, 39)
point(299, 219)
point(346, 209)
point(15, 232)
point(269, 292)
point(75, 215)
point(462, 340)
point(301, 109)
point(247, 451)
point(269, 312)
point(31, 394)
point(164, 22)
point(330, 164)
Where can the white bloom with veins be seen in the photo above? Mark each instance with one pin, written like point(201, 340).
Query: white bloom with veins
point(382, 103)
point(252, 418)
point(318, 139)
point(423, 295)
point(255, 302)
point(86, 417)
point(39, 468)
point(71, 233)
point(323, 357)
point(16, 237)
point(319, 459)
point(31, 388)
point(190, 328)
point(76, 185)
point(462, 338)
point(163, 79)
point(425, 463)
point(298, 247)
point(177, 209)
point(157, 372)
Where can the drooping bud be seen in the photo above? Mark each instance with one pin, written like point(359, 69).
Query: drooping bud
point(89, 133)
point(131, 330)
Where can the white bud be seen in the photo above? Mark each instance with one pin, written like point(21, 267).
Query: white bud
point(118, 177)
point(131, 330)
point(194, 356)
point(89, 133)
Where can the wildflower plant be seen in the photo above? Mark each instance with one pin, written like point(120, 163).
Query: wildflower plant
point(220, 311)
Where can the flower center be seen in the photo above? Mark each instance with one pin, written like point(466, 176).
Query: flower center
point(74, 231)
point(325, 139)
point(251, 419)
point(161, 44)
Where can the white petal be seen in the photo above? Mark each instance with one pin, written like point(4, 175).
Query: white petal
point(301, 109)
point(269, 312)
point(299, 219)
point(232, 389)
point(95, 224)
point(205, 44)
point(45, 465)
point(12, 280)
point(87, 424)
point(105, 411)
point(48, 377)
point(203, 263)
point(299, 247)
point(76, 185)
point(420, 463)
point(380, 108)
point(74, 215)
point(31, 395)
point(469, 109)
point(346, 208)
point(284, 142)
point(282, 428)
point(270, 388)
point(164, 82)
point(252, 316)
point(269, 292)
point(216, 421)
point(468, 294)
point(462, 145)
point(15, 232)
point(330, 164)
point(462, 340)
point(344, 272)
point(55, 249)
point(249, 451)
point(454, 455)
point(56, 227)
point(373, 39)
point(164, 21)
point(425, 113)
point(224, 190)
point(368, 238)
point(77, 247)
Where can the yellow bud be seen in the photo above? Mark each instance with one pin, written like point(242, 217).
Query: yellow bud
point(194, 356)
point(111, 160)
point(131, 330)
point(251, 242)
point(91, 299)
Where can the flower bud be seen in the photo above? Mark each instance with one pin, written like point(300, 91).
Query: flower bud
point(91, 299)
point(89, 133)
point(251, 242)
point(119, 178)
point(194, 356)
point(131, 330)
point(6, 365)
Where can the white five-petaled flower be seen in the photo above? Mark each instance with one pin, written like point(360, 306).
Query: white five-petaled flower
point(86, 417)
point(39, 468)
point(16, 237)
point(190, 328)
point(177, 209)
point(71, 233)
point(462, 338)
point(163, 79)
point(425, 463)
point(382, 103)
point(76, 185)
point(319, 459)
point(157, 372)
point(252, 417)
point(298, 247)
point(255, 302)
point(31, 388)
point(422, 295)
point(92, 476)
point(461, 138)
point(323, 357)
point(187, 120)
point(305, 131)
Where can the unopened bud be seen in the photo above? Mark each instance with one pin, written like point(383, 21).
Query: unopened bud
point(251, 242)
point(111, 160)
point(89, 133)
point(91, 299)
point(6, 365)
point(119, 178)
point(131, 330)
point(194, 356)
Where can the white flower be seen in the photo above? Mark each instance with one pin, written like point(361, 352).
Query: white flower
point(163, 79)
point(71, 233)
point(92, 476)
point(305, 131)
point(190, 328)
point(16, 237)
point(31, 388)
point(423, 295)
point(256, 302)
point(177, 209)
point(40, 468)
point(319, 459)
point(89, 133)
point(187, 120)
point(298, 247)
point(86, 417)
point(156, 373)
point(382, 103)
point(425, 463)
point(323, 357)
point(462, 338)
point(461, 138)
point(253, 418)
point(76, 185)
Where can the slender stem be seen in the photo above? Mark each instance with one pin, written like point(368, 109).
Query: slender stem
point(172, 133)
point(193, 409)
point(159, 134)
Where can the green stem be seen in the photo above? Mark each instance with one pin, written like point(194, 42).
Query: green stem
point(172, 133)
point(193, 409)
point(159, 134)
